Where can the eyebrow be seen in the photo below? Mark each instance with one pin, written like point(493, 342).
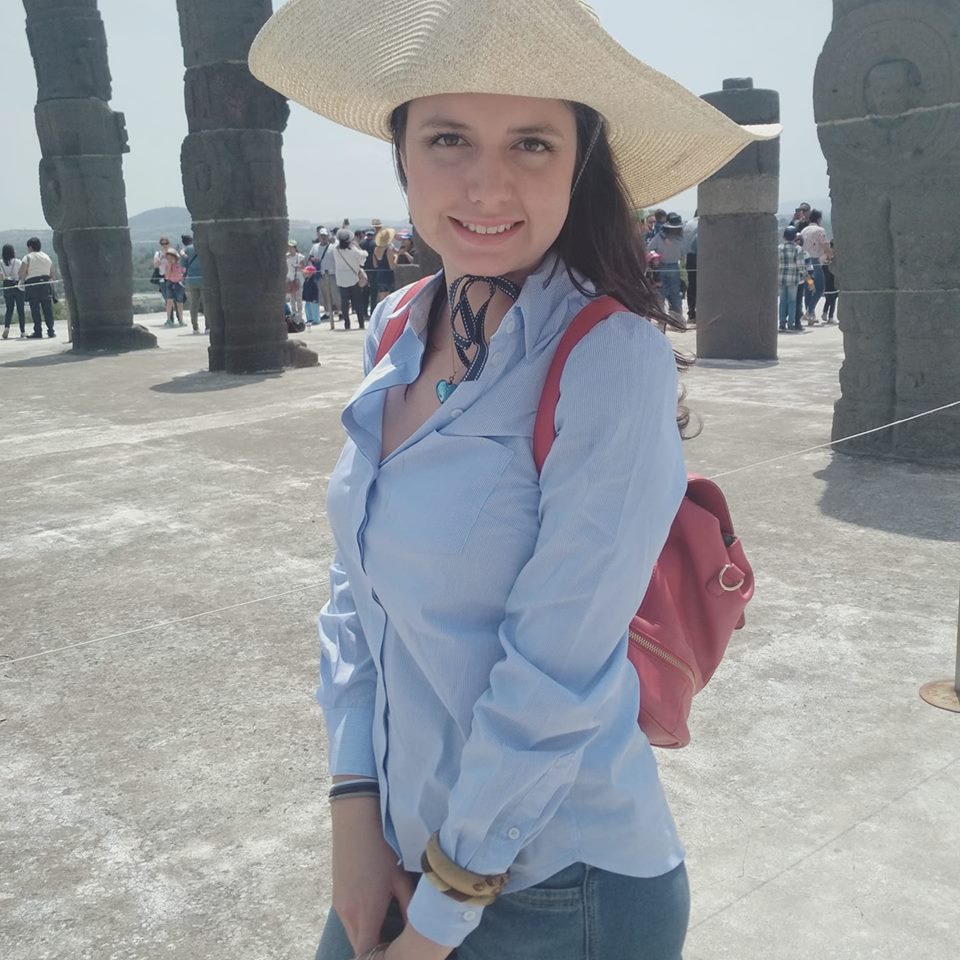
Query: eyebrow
point(536, 129)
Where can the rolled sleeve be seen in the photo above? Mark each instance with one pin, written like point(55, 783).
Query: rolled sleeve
point(348, 681)
point(610, 489)
point(440, 918)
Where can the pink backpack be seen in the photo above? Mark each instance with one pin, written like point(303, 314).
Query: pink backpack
point(701, 582)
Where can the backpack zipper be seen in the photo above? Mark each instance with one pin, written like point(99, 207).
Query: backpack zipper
point(658, 651)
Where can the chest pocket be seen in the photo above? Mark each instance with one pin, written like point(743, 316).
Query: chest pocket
point(428, 497)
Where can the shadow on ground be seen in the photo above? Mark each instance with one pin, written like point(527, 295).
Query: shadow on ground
point(205, 382)
point(54, 359)
point(900, 498)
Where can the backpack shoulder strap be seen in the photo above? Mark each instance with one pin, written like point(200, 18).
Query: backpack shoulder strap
point(544, 429)
point(397, 322)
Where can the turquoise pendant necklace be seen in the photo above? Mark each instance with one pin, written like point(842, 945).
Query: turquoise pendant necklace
point(473, 326)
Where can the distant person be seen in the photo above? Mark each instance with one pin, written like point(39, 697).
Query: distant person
point(176, 292)
point(160, 265)
point(792, 271)
point(348, 261)
point(670, 246)
point(406, 254)
point(36, 273)
point(193, 282)
point(295, 264)
point(370, 292)
point(321, 256)
point(649, 227)
point(691, 235)
point(816, 252)
point(830, 289)
point(801, 217)
point(12, 294)
point(310, 295)
point(384, 261)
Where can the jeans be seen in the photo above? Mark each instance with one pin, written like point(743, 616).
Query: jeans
point(692, 286)
point(352, 295)
point(580, 913)
point(13, 296)
point(312, 309)
point(670, 287)
point(39, 295)
point(812, 297)
point(788, 304)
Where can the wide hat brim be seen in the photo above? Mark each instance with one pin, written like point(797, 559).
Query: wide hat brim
point(664, 138)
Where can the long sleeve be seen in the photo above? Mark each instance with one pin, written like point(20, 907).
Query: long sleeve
point(610, 489)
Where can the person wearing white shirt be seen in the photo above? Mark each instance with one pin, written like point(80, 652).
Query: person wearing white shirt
point(12, 294)
point(36, 272)
point(295, 263)
point(347, 262)
point(321, 256)
point(816, 252)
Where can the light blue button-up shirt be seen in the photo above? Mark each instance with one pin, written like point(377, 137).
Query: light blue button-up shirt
point(473, 651)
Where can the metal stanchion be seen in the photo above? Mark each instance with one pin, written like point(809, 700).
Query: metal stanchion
point(945, 694)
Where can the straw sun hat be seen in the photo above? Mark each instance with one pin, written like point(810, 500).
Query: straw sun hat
point(663, 137)
point(385, 237)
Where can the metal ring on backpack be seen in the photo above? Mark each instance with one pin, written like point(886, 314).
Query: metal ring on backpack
point(735, 586)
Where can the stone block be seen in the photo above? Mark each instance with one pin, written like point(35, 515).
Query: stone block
point(721, 196)
point(69, 49)
point(227, 95)
point(229, 174)
point(746, 104)
point(737, 287)
point(757, 160)
point(83, 192)
point(73, 128)
point(407, 273)
point(862, 236)
point(870, 317)
point(213, 31)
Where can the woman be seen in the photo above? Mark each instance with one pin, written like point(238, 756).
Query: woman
point(384, 261)
point(36, 274)
point(672, 250)
point(347, 263)
point(480, 710)
point(12, 294)
point(176, 295)
point(406, 254)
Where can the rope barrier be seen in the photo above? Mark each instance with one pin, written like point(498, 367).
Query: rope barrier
point(317, 583)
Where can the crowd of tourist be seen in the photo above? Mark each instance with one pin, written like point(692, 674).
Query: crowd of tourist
point(346, 273)
point(178, 275)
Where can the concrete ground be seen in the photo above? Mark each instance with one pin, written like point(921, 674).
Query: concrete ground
point(164, 549)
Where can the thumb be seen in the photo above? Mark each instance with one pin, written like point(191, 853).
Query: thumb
point(403, 887)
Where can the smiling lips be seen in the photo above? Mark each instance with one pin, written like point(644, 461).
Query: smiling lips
point(487, 229)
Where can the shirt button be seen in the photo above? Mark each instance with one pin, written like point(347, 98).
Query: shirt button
point(497, 359)
point(513, 833)
point(470, 915)
point(455, 413)
point(510, 326)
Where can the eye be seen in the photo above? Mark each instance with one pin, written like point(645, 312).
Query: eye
point(532, 145)
point(446, 140)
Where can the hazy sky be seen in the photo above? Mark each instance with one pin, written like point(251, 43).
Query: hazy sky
point(333, 172)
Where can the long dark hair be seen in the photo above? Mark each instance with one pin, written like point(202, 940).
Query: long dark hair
point(601, 237)
point(8, 254)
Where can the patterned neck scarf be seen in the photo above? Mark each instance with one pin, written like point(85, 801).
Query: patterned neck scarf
point(473, 322)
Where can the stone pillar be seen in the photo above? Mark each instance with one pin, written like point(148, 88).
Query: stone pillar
point(81, 176)
point(737, 248)
point(234, 187)
point(887, 105)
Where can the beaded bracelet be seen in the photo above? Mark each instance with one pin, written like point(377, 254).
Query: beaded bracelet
point(455, 882)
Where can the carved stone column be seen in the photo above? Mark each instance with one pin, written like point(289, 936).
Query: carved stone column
point(737, 247)
point(887, 104)
point(234, 187)
point(81, 176)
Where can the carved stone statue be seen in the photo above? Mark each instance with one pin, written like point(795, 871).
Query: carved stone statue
point(81, 177)
point(234, 187)
point(737, 246)
point(887, 104)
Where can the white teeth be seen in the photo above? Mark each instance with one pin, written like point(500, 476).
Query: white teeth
point(478, 228)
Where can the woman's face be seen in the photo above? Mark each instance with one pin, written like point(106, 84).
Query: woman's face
point(651, 221)
point(489, 179)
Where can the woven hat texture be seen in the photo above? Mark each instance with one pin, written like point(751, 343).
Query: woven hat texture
point(664, 138)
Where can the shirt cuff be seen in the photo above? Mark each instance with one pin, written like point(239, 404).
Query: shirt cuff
point(440, 918)
point(350, 741)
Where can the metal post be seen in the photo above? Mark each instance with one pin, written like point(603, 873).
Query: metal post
point(945, 694)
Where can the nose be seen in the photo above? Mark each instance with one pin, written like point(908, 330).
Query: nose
point(489, 182)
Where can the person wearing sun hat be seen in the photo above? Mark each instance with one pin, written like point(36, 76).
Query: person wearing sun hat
point(384, 259)
point(492, 791)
